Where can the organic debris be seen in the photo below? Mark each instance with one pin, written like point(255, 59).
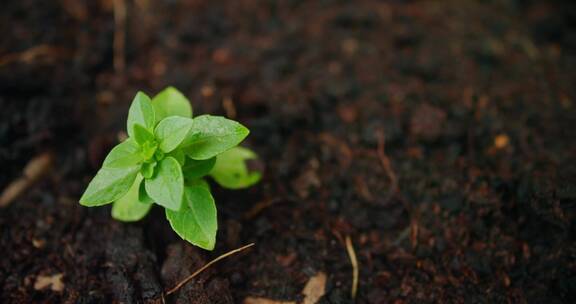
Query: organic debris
point(52, 281)
point(33, 171)
point(315, 288)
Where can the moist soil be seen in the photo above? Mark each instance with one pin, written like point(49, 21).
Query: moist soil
point(438, 135)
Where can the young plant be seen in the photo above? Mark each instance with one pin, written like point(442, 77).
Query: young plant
point(165, 160)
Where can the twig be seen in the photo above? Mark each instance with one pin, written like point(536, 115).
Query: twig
point(414, 229)
point(197, 272)
point(119, 35)
point(32, 54)
point(34, 170)
point(258, 207)
point(354, 261)
point(229, 107)
point(385, 162)
point(261, 206)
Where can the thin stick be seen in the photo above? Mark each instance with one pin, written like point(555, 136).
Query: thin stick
point(197, 272)
point(31, 54)
point(119, 35)
point(34, 170)
point(387, 166)
point(354, 261)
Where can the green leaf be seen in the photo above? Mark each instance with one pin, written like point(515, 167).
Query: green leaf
point(108, 185)
point(170, 102)
point(147, 169)
point(199, 182)
point(167, 184)
point(179, 155)
point(196, 222)
point(212, 135)
point(128, 208)
point(143, 197)
point(230, 170)
point(159, 155)
point(141, 112)
point(124, 155)
point(198, 168)
point(148, 150)
point(142, 135)
point(171, 131)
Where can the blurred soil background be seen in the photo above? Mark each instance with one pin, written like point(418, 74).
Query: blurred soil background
point(438, 136)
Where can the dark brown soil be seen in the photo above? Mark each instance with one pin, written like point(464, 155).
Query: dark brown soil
point(439, 135)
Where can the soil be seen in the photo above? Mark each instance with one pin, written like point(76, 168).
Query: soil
point(438, 135)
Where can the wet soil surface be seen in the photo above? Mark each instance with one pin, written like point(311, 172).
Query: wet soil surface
point(439, 136)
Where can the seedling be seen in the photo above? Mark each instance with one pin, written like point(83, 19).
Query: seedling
point(165, 161)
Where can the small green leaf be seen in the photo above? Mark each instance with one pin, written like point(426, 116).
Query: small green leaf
point(108, 185)
point(171, 131)
point(142, 135)
point(196, 222)
point(141, 112)
point(167, 184)
point(230, 170)
point(148, 150)
point(147, 169)
point(212, 135)
point(197, 168)
point(128, 208)
point(159, 155)
point(126, 154)
point(170, 102)
point(143, 196)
